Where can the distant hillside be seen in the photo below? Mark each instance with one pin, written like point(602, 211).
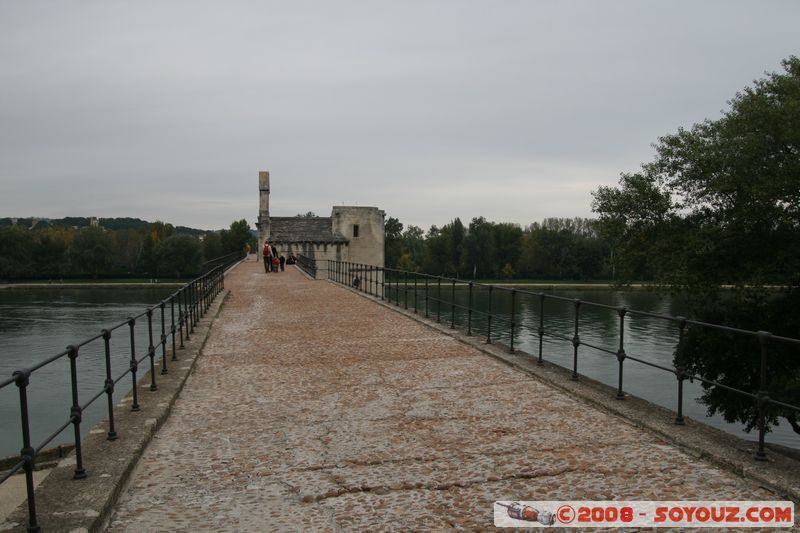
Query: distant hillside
point(116, 224)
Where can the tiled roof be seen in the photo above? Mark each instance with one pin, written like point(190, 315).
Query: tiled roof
point(303, 229)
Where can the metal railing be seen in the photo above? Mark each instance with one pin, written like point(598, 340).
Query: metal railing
point(307, 265)
point(224, 261)
point(395, 286)
point(175, 316)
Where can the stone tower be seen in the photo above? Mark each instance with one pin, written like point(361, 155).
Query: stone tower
point(263, 209)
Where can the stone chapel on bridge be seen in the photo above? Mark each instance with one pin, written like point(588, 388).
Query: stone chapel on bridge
point(351, 233)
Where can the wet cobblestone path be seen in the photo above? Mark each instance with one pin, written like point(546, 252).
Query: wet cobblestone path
point(314, 409)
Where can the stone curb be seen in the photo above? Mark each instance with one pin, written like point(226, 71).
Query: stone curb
point(779, 474)
point(67, 505)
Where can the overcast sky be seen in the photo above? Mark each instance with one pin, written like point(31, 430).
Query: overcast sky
point(430, 110)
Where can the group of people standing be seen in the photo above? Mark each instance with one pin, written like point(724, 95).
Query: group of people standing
point(272, 261)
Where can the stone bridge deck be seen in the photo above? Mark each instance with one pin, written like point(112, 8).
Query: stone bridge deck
point(315, 409)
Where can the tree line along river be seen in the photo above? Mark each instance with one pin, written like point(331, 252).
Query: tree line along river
point(38, 323)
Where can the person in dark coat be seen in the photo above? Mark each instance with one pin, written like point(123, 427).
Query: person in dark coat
point(283, 263)
point(267, 253)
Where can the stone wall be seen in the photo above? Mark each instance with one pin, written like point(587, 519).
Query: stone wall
point(368, 246)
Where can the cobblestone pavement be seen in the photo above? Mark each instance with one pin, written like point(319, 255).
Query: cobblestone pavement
point(313, 409)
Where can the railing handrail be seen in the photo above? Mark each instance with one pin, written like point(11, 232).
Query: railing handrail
point(193, 300)
point(223, 260)
point(342, 272)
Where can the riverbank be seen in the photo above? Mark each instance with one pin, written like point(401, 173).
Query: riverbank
point(93, 285)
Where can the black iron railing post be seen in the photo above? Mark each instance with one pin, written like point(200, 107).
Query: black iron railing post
point(576, 341)
point(151, 350)
point(439, 299)
point(195, 307)
point(134, 364)
point(762, 397)
point(172, 328)
point(27, 453)
point(541, 327)
point(190, 309)
point(75, 412)
point(201, 305)
point(180, 316)
point(206, 295)
point(397, 288)
point(203, 295)
point(489, 316)
point(621, 352)
point(405, 289)
point(426, 296)
point(680, 373)
point(196, 301)
point(453, 304)
point(185, 314)
point(416, 304)
point(163, 341)
point(513, 314)
point(469, 309)
point(109, 386)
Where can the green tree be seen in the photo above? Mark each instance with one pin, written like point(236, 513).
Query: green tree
point(563, 248)
point(16, 252)
point(435, 259)
point(178, 255)
point(212, 246)
point(157, 232)
point(454, 234)
point(235, 238)
point(90, 251)
point(393, 234)
point(412, 246)
point(127, 250)
point(507, 242)
point(49, 251)
point(479, 253)
point(720, 205)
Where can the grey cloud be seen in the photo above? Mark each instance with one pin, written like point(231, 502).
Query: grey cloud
point(429, 110)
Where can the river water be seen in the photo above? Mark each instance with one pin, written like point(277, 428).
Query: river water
point(36, 324)
point(646, 338)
